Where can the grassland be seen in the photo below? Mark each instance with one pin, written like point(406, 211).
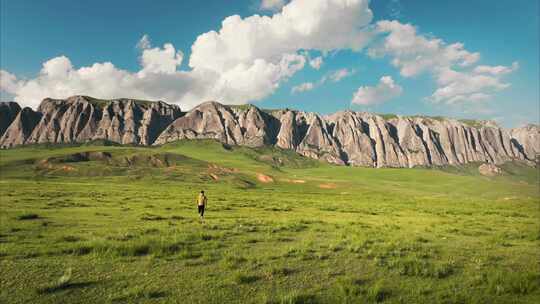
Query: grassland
point(121, 227)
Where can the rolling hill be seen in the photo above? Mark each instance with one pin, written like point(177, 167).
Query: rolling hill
point(101, 222)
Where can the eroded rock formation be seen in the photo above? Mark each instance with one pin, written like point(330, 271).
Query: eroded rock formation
point(345, 138)
point(82, 118)
point(8, 113)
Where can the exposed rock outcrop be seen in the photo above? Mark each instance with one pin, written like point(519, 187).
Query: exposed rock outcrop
point(230, 125)
point(20, 129)
point(412, 143)
point(345, 138)
point(8, 113)
point(318, 143)
point(288, 137)
point(526, 140)
point(489, 170)
point(357, 147)
point(353, 138)
point(82, 118)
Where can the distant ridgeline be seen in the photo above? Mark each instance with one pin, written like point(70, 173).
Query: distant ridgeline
point(344, 138)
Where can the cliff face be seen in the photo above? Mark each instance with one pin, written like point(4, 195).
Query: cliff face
point(20, 129)
point(526, 139)
point(81, 118)
point(8, 113)
point(345, 138)
point(369, 140)
point(230, 125)
point(358, 139)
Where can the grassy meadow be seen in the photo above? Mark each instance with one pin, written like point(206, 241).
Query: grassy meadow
point(122, 227)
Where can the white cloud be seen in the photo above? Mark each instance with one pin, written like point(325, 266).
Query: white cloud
point(470, 86)
point(57, 68)
point(451, 65)
point(496, 70)
point(414, 54)
point(333, 76)
point(247, 59)
point(144, 42)
point(456, 87)
point(8, 82)
point(272, 5)
point(157, 60)
point(256, 81)
point(385, 90)
point(303, 87)
point(337, 76)
point(316, 62)
point(59, 79)
point(244, 61)
point(102, 80)
point(157, 79)
point(323, 25)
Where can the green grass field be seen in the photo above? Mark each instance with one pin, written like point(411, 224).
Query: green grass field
point(122, 227)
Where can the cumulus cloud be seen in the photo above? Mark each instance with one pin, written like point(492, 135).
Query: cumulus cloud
point(385, 90)
point(157, 80)
point(254, 81)
point(272, 5)
point(323, 25)
point(8, 82)
point(247, 59)
point(244, 61)
point(59, 79)
point(451, 65)
point(303, 87)
point(413, 54)
point(161, 60)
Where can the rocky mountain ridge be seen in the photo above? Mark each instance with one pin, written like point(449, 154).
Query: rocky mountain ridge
point(344, 138)
point(82, 118)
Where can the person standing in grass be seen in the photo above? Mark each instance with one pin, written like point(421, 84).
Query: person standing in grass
point(201, 203)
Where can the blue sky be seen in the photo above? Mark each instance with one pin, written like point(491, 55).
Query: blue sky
point(494, 77)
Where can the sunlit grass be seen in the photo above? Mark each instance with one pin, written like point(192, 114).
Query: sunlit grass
point(104, 232)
